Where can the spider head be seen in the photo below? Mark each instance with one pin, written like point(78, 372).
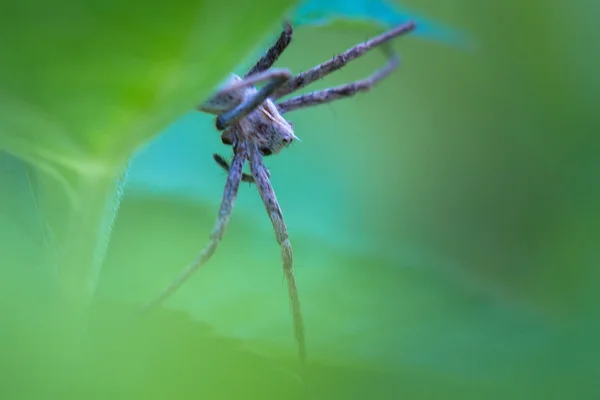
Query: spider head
point(275, 133)
point(264, 127)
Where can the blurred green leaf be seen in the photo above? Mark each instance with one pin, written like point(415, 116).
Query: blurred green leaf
point(372, 326)
point(84, 85)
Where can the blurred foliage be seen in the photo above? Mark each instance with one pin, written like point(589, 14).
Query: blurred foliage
point(444, 224)
point(373, 13)
point(85, 85)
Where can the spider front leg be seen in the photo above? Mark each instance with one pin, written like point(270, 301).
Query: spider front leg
point(337, 62)
point(230, 193)
point(274, 52)
point(339, 92)
point(261, 177)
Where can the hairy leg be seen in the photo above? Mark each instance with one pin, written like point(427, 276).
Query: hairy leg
point(339, 92)
point(337, 62)
point(261, 177)
point(231, 188)
point(277, 77)
point(267, 60)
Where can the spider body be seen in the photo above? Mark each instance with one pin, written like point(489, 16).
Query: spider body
point(253, 124)
point(266, 128)
point(263, 126)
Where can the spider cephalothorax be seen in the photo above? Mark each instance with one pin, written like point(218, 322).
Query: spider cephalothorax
point(264, 126)
point(252, 122)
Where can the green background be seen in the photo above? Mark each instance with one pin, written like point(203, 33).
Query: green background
point(444, 227)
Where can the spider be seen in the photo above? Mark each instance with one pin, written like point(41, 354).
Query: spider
point(252, 123)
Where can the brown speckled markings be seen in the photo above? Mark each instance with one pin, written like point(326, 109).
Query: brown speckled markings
point(253, 124)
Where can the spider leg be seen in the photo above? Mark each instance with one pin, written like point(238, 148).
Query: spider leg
point(265, 189)
point(337, 62)
point(220, 160)
point(231, 188)
point(339, 92)
point(276, 77)
point(233, 94)
point(269, 58)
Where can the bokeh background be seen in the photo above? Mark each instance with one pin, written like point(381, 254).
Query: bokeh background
point(444, 225)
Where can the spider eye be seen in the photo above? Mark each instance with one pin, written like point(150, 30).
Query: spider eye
point(265, 151)
point(287, 140)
